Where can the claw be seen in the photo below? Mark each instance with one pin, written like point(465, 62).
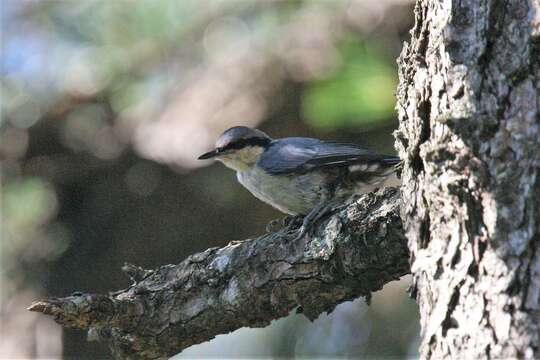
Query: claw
point(291, 220)
point(308, 221)
point(271, 226)
point(282, 223)
point(311, 219)
point(303, 231)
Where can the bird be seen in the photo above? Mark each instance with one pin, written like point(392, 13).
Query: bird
point(301, 176)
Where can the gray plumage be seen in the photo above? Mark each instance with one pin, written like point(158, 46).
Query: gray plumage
point(300, 155)
point(297, 174)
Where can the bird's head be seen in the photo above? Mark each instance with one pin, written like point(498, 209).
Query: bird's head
point(239, 147)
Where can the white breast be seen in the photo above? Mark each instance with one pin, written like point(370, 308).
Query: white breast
point(290, 194)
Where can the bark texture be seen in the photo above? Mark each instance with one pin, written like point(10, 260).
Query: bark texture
point(468, 102)
point(352, 253)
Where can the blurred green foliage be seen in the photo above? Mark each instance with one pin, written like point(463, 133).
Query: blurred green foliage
point(360, 93)
point(27, 204)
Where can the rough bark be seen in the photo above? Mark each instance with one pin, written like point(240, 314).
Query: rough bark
point(353, 252)
point(468, 103)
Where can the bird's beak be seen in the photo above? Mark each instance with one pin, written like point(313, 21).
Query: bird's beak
point(209, 155)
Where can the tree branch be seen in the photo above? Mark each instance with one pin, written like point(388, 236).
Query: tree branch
point(353, 252)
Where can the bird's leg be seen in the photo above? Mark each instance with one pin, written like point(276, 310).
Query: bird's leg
point(291, 223)
point(313, 216)
point(291, 220)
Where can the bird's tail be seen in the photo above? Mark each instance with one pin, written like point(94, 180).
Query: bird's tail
point(396, 163)
point(381, 170)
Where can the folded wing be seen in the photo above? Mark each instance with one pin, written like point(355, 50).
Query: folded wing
point(299, 155)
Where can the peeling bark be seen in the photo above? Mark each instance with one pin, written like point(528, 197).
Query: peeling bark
point(352, 253)
point(469, 109)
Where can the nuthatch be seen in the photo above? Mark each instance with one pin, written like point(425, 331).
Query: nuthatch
point(298, 175)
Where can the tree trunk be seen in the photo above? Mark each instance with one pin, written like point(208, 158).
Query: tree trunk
point(469, 134)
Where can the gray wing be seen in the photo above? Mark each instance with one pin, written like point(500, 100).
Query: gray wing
point(304, 154)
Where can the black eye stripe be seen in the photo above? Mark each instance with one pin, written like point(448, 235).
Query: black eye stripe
point(242, 143)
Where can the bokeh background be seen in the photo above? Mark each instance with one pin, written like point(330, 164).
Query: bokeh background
point(106, 105)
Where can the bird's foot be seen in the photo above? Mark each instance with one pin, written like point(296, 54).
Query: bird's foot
point(303, 231)
point(282, 223)
point(310, 220)
point(292, 221)
point(273, 225)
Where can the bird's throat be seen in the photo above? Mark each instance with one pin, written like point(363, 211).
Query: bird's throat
point(243, 159)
